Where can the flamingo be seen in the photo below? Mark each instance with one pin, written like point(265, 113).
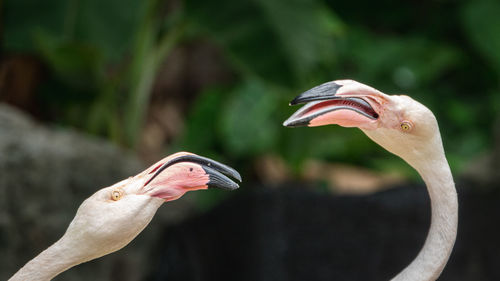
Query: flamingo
point(407, 129)
point(113, 216)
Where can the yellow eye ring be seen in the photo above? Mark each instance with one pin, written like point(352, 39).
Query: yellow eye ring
point(116, 195)
point(406, 126)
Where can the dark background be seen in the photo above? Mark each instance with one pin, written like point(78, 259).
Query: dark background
point(93, 91)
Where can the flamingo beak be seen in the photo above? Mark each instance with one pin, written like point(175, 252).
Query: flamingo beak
point(337, 102)
point(218, 175)
point(175, 175)
point(324, 91)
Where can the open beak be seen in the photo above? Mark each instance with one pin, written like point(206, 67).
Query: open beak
point(215, 174)
point(343, 102)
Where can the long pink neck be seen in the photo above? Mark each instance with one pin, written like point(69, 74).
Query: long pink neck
point(434, 255)
point(49, 263)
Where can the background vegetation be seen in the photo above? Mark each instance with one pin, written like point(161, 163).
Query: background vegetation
point(215, 77)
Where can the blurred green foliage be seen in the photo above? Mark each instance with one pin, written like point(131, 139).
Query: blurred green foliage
point(103, 56)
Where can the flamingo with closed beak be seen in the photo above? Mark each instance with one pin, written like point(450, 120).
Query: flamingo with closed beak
point(113, 216)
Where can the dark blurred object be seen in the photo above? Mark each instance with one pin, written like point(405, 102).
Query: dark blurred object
point(19, 78)
point(484, 169)
point(45, 174)
point(188, 70)
point(299, 234)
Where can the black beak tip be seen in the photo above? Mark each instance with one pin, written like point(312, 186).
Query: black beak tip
point(237, 176)
point(295, 123)
point(295, 101)
point(222, 183)
point(223, 179)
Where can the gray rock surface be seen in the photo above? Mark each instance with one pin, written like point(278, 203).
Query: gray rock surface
point(45, 174)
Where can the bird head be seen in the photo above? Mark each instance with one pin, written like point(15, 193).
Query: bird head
point(114, 215)
point(398, 123)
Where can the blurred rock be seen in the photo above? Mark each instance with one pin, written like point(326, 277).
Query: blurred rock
point(45, 174)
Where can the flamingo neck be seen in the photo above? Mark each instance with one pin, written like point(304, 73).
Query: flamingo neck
point(57, 258)
point(434, 255)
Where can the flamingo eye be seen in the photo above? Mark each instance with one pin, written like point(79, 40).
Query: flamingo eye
point(406, 126)
point(116, 195)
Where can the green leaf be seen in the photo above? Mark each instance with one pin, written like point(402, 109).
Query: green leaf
point(248, 123)
point(481, 21)
point(24, 17)
point(278, 40)
point(76, 64)
point(201, 124)
point(410, 61)
point(306, 31)
point(104, 25)
point(109, 25)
